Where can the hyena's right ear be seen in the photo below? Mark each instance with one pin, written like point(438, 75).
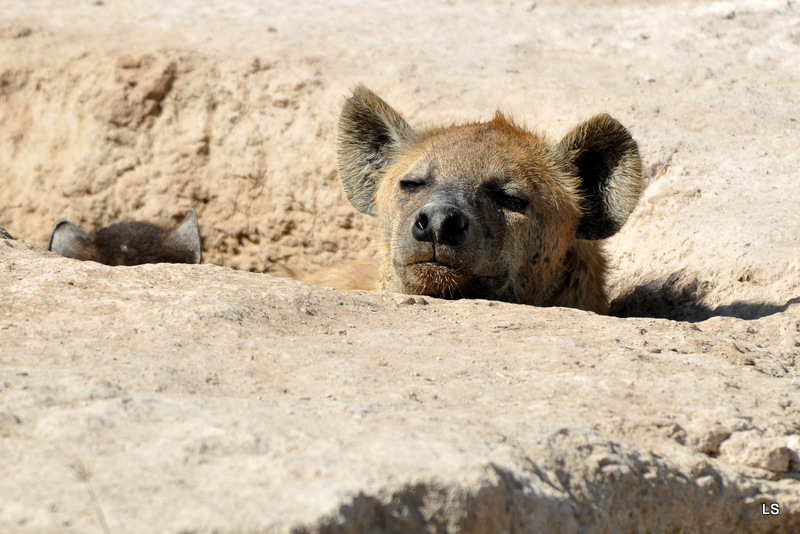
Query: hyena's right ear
point(370, 135)
point(605, 159)
point(72, 242)
point(184, 241)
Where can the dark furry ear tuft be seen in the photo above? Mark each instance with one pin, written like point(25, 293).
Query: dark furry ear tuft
point(72, 242)
point(185, 239)
point(370, 135)
point(605, 158)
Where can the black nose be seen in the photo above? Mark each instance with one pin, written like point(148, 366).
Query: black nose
point(442, 224)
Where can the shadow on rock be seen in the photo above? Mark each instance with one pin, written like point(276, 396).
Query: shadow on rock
point(681, 299)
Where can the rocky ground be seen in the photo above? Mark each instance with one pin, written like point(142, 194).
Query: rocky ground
point(218, 398)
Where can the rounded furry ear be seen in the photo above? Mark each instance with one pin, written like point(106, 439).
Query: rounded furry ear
point(70, 241)
point(370, 136)
point(605, 158)
point(186, 238)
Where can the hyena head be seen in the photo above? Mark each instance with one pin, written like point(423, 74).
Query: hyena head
point(130, 243)
point(489, 210)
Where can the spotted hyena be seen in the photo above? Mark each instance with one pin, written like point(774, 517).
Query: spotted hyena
point(489, 209)
point(130, 243)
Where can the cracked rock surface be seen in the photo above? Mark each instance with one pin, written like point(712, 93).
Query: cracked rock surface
point(208, 399)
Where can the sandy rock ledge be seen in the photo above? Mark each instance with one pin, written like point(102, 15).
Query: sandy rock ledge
point(203, 399)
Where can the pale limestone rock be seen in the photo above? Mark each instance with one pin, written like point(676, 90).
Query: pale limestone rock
point(751, 448)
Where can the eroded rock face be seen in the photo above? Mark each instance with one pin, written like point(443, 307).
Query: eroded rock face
point(199, 398)
point(253, 402)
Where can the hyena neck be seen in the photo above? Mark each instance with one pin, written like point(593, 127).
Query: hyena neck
point(583, 279)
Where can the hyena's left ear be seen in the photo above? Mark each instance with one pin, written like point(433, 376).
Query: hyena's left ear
point(72, 242)
point(184, 240)
point(606, 160)
point(370, 135)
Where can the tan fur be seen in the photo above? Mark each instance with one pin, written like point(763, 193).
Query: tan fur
point(351, 275)
point(489, 210)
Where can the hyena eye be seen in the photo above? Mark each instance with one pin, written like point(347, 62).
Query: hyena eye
point(510, 201)
point(412, 184)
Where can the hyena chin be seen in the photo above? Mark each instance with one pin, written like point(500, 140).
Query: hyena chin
point(489, 210)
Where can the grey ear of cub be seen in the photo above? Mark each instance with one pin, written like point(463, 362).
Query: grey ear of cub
point(129, 243)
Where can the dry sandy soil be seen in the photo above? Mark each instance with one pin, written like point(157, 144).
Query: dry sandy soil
point(217, 398)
